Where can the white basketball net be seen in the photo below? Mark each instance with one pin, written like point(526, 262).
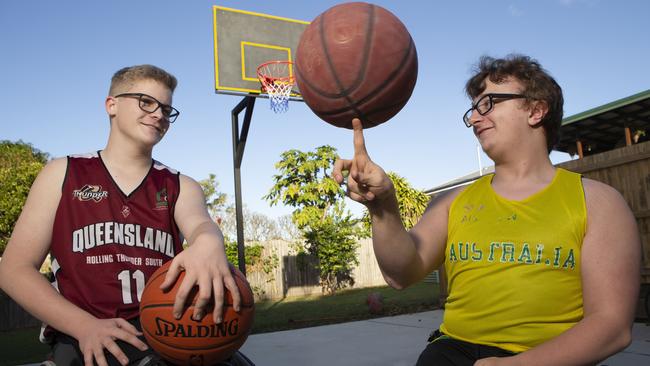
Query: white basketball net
point(277, 80)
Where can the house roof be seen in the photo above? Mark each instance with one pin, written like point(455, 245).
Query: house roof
point(466, 179)
point(602, 128)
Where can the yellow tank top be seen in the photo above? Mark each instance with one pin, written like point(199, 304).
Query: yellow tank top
point(513, 267)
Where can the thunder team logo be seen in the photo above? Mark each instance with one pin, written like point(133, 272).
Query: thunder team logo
point(89, 192)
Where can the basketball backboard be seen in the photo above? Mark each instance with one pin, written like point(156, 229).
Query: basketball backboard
point(243, 40)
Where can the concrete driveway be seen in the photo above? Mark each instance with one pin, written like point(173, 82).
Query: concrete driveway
point(390, 341)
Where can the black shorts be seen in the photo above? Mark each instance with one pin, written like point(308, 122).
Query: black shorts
point(66, 351)
point(447, 351)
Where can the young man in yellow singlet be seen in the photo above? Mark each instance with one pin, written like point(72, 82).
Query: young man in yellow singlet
point(543, 265)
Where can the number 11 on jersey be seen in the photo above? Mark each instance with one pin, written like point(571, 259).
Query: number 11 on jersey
point(127, 291)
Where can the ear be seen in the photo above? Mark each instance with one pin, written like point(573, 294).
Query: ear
point(111, 106)
point(538, 111)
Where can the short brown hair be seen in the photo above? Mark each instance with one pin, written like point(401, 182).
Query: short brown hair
point(126, 76)
point(537, 82)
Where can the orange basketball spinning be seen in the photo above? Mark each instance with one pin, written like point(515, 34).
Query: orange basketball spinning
point(186, 341)
point(356, 60)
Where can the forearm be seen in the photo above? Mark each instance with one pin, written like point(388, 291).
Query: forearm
point(30, 289)
point(591, 340)
point(395, 249)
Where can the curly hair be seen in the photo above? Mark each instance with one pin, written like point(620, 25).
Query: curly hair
point(537, 83)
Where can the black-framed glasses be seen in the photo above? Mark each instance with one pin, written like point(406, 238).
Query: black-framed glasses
point(150, 104)
point(484, 105)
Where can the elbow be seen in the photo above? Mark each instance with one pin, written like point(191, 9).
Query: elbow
point(390, 281)
point(623, 339)
point(396, 283)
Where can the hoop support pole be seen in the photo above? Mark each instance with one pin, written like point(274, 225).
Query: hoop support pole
point(238, 145)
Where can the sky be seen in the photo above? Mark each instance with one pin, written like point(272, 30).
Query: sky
point(57, 58)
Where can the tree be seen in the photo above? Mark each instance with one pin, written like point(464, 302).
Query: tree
point(288, 230)
point(329, 230)
point(214, 199)
point(257, 227)
point(20, 163)
point(411, 202)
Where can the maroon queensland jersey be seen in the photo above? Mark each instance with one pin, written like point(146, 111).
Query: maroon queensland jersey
point(105, 244)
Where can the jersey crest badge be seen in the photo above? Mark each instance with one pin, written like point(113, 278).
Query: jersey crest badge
point(161, 200)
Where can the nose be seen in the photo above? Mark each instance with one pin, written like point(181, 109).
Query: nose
point(474, 117)
point(158, 114)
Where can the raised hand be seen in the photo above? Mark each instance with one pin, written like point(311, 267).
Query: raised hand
point(367, 182)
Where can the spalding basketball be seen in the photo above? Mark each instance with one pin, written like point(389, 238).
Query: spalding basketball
point(186, 341)
point(356, 60)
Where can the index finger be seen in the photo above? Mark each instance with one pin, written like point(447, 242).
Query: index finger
point(172, 274)
point(231, 285)
point(359, 141)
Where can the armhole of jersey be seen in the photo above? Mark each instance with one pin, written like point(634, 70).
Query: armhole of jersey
point(65, 177)
point(581, 179)
point(173, 213)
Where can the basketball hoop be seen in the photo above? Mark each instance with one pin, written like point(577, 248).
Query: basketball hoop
point(277, 80)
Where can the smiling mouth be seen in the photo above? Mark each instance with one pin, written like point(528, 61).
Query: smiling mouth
point(480, 132)
point(159, 129)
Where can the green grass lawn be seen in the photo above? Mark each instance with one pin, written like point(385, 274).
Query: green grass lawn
point(22, 346)
point(347, 305)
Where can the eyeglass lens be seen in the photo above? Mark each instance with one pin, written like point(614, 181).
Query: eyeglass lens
point(482, 106)
point(151, 105)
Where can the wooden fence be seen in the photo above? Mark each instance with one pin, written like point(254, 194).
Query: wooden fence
point(296, 277)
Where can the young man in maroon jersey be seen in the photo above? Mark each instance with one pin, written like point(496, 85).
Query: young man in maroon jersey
point(110, 219)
